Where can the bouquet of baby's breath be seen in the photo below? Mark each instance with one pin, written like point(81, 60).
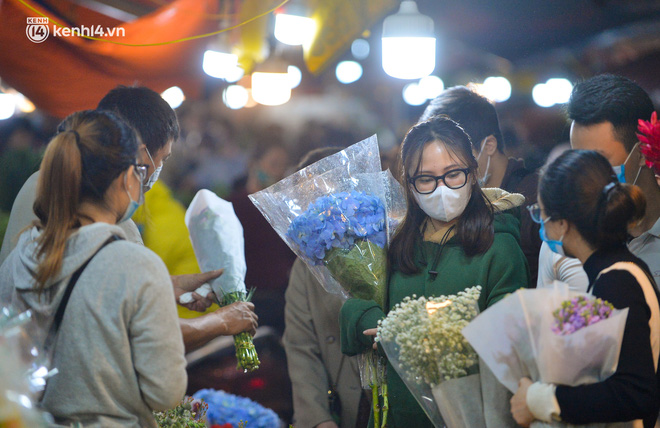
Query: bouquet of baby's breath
point(423, 341)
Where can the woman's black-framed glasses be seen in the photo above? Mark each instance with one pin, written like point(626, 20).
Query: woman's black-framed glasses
point(141, 170)
point(454, 179)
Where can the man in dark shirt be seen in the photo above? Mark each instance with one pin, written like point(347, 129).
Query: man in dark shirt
point(477, 116)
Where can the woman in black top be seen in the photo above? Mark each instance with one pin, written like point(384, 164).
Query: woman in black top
point(585, 213)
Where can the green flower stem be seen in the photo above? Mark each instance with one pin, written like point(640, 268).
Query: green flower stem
point(374, 397)
point(246, 353)
point(386, 405)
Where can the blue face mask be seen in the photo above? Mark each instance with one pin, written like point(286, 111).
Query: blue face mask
point(132, 205)
point(620, 170)
point(555, 246)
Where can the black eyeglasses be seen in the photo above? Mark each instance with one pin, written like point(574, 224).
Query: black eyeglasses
point(454, 179)
point(141, 170)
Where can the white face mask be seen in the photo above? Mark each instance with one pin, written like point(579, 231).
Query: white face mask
point(483, 180)
point(444, 204)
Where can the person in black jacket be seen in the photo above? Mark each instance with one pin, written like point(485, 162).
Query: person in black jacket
point(585, 213)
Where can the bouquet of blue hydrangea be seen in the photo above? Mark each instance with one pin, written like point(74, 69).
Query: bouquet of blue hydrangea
point(345, 232)
point(337, 215)
point(227, 409)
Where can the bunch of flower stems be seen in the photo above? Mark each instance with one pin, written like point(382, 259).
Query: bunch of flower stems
point(246, 354)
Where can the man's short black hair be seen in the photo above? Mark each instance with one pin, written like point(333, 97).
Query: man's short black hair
point(146, 111)
point(614, 99)
point(474, 113)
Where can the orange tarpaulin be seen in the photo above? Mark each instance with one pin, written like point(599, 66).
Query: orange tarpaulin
point(65, 74)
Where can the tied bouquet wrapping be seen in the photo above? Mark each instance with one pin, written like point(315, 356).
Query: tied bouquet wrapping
point(551, 335)
point(423, 342)
point(337, 215)
point(217, 239)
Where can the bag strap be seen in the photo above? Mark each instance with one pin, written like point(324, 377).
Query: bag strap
point(648, 288)
point(59, 315)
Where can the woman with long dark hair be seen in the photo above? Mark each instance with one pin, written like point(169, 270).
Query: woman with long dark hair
point(106, 304)
point(585, 213)
point(453, 238)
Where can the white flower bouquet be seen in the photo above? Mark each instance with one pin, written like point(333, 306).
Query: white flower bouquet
point(337, 216)
point(217, 238)
point(423, 342)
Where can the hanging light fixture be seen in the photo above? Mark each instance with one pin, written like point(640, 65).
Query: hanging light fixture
point(293, 26)
point(219, 62)
point(271, 83)
point(408, 43)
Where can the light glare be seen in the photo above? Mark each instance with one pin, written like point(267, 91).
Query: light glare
point(413, 95)
point(348, 72)
point(235, 97)
point(295, 76)
point(293, 29)
point(431, 86)
point(271, 89)
point(7, 106)
point(360, 49)
point(408, 57)
point(218, 64)
point(174, 96)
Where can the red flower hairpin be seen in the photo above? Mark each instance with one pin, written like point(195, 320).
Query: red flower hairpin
point(649, 137)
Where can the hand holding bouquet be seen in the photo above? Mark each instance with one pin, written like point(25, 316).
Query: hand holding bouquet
point(217, 238)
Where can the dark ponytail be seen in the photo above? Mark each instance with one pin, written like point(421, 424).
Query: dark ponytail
point(622, 205)
point(91, 149)
point(580, 187)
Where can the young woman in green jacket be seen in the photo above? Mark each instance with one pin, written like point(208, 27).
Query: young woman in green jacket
point(452, 238)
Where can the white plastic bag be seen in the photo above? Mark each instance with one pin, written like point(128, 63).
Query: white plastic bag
point(217, 238)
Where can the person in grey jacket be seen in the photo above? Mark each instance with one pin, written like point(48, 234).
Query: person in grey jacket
point(119, 350)
point(156, 124)
point(311, 341)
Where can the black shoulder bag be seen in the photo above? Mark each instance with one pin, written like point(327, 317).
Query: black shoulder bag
point(59, 315)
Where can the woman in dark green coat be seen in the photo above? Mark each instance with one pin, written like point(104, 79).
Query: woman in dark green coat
point(452, 238)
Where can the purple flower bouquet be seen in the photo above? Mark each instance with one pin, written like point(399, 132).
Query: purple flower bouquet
point(550, 335)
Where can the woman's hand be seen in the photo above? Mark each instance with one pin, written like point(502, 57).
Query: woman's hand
point(372, 332)
point(519, 408)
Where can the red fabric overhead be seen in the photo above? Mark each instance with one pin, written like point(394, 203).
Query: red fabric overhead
point(66, 74)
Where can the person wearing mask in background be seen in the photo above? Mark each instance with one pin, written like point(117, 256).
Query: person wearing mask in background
point(478, 117)
point(604, 112)
point(157, 126)
point(451, 239)
point(311, 341)
point(267, 256)
point(585, 213)
point(118, 348)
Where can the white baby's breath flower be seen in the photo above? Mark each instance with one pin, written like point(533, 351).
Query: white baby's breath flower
point(431, 346)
